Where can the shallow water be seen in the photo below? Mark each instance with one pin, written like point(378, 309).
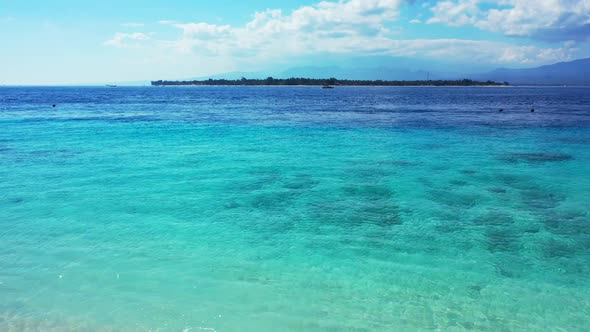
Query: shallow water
point(290, 209)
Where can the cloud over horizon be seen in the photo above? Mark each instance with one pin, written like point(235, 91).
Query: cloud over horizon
point(550, 20)
point(121, 39)
point(369, 27)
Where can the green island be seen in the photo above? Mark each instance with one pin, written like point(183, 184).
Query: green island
point(326, 82)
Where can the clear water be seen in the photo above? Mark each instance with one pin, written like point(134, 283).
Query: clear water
point(294, 209)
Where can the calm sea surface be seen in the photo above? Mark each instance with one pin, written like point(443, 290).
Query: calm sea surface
point(294, 209)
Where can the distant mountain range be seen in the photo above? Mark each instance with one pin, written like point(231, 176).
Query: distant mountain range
point(370, 73)
point(575, 72)
point(340, 72)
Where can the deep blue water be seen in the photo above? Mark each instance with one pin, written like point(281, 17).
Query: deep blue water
point(294, 208)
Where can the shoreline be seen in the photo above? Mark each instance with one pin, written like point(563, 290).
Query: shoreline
point(326, 82)
point(333, 86)
point(315, 86)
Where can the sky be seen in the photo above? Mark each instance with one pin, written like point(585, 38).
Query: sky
point(83, 42)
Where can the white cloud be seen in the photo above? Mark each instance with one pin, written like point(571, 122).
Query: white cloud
point(346, 27)
point(569, 43)
point(455, 13)
point(204, 30)
point(476, 51)
point(532, 55)
point(273, 32)
point(415, 21)
point(355, 27)
point(121, 39)
point(542, 19)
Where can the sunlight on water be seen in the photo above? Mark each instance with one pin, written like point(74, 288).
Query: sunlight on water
point(292, 209)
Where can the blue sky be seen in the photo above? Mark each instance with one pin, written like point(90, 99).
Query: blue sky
point(70, 42)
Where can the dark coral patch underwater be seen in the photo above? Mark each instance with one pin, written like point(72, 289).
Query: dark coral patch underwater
point(494, 218)
point(458, 183)
point(400, 163)
point(535, 157)
point(569, 223)
point(499, 240)
point(540, 199)
point(454, 199)
point(497, 190)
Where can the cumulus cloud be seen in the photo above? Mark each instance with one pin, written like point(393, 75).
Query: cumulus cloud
point(121, 39)
point(455, 13)
point(204, 30)
point(475, 51)
point(555, 20)
point(356, 27)
point(343, 25)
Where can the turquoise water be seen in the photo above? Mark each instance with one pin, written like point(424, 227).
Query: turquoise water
point(294, 209)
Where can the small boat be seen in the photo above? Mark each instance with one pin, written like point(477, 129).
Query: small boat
point(111, 86)
point(327, 87)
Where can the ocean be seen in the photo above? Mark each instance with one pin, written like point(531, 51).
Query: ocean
point(294, 209)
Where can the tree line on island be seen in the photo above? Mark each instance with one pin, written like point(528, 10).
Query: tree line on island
point(327, 82)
